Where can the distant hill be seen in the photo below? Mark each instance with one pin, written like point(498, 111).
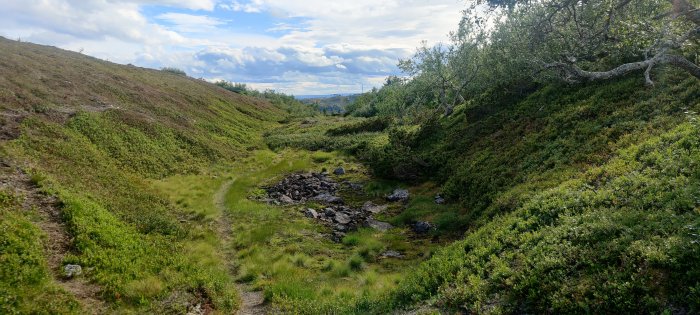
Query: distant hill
point(331, 104)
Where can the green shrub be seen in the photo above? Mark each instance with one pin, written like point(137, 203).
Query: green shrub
point(26, 284)
point(614, 239)
point(175, 71)
point(368, 125)
point(356, 262)
point(351, 240)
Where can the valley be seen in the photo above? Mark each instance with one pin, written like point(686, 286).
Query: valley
point(284, 256)
point(544, 158)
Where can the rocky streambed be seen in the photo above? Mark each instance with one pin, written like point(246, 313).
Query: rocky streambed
point(320, 188)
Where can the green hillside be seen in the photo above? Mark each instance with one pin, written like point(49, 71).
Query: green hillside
point(94, 134)
point(575, 199)
point(544, 160)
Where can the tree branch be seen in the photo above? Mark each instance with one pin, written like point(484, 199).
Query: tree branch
point(684, 8)
point(576, 74)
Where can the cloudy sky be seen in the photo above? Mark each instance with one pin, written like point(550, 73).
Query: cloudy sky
point(297, 47)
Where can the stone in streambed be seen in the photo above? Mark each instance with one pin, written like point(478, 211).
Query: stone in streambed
point(378, 225)
point(398, 195)
point(71, 271)
point(311, 213)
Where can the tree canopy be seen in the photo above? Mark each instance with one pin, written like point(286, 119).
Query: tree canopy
point(515, 43)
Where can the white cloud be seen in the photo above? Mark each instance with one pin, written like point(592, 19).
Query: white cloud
point(188, 23)
point(255, 6)
point(321, 45)
point(207, 5)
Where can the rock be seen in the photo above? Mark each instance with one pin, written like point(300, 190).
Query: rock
point(439, 200)
point(339, 171)
point(337, 236)
point(329, 212)
point(398, 195)
point(372, 208)
point(195, 309)
point(355, 186)
point(378, 225)
point(391, 254)
point(300, 187)
point(328, 199)
point(340, 228)
point(286, 199)
point(422, 227)
point(311, 213)
point(341, 218)
point(72, 270)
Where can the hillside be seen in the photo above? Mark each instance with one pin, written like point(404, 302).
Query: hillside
point(154, 184)
point(576, 199)
point(544, 160)
point(572, 199)
point(81, 140)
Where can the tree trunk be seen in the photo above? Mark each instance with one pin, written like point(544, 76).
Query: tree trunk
point(576, 74)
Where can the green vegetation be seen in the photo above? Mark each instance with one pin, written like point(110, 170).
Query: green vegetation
point(26, 285)
point(328, 134)
point(175, 71)
point(617, 238)
point(293, 107)
point(575, 199)
point(334, 104)
point(285, 254)
point(570, 184)
point(583, 201)
point(145, 252)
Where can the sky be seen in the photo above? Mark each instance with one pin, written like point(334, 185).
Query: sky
point(296, 47)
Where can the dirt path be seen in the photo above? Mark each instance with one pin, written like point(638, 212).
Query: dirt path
point(252, 302)
point(58, 241)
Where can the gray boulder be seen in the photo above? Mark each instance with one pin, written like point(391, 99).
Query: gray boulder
point(422, 227)
point(329, 212)
point(311, 213)
point(391, 254)
point(439, 200)
point(328, 199)
point(286, 199)
point(398, 195)
point(355, 186)
point(341, 218)
point(337, 236)
point(379, 225)
point(372, 208)
point(339, 171)
point(71, 271)
point(340, 228)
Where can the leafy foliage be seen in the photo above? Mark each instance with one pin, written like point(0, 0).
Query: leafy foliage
point(617, 238)
point(175, 71)
point(294, 107)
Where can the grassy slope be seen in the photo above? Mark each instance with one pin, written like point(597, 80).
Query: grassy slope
point(287, 255)
point(95, 133)
point(577, 199)
point(619, 238)
point(26, 284)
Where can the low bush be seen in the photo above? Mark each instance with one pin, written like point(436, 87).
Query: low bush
point(375, 124)
point(26, 284)
point(615, 239)
point(175, 71)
